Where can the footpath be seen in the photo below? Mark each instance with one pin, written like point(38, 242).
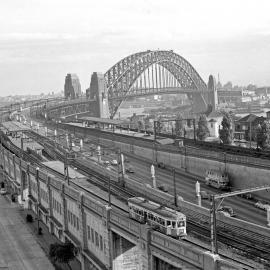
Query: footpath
point(19, 249)
point(41, 243)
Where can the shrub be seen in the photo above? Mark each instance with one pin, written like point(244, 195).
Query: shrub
point(29, 218)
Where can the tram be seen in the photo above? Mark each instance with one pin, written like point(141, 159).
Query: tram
point(217, 179)
point(163, 219)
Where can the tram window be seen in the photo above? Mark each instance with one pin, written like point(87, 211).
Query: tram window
point(173, 224)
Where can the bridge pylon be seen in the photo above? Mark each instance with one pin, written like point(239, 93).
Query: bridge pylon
point(212, 94)
point(98, 92)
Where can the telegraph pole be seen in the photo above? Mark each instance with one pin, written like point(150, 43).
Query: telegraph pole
point(174, 187)
point(194, 129)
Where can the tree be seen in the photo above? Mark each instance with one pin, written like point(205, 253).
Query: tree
point(263, 135)
point(202, 131)
point(226, 134)
point(63, 253)
point(159, 125)
point(179, 126)
point(141, 125)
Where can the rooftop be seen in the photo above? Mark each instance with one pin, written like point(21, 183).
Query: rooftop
point(101, 120)
point(249, 118)
point(13, 126)
point(58, 166)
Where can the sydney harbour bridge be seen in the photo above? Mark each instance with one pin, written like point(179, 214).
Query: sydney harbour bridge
point(141, 74)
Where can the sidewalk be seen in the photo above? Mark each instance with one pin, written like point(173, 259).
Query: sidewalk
point(46, 239)
point(19, 249)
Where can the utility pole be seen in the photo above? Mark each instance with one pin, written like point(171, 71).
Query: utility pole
point(214, 246)
point(250, 134)
point(66, 169)
point(110, 240)
point(194, 129)
point(174, 187)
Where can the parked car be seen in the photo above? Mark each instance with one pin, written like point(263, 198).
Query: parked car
point(106, 163)
point(161, 165)
point(3, 191)
point(114, 162)
point(129, 170)
point(226, 211)
point(87, 140)
point(247, 196)
point(205, 195)
point(262, 205)
point(163, 188)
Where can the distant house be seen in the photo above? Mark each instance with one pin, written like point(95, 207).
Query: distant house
point(214, 120)
point(246, 126)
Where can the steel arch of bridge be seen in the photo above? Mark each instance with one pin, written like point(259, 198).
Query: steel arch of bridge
point(120, 78)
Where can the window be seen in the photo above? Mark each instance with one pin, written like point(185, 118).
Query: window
point(212, 125)
point(88, 232)
point(74, 220)
point(92, 235)
point(101, 242)
point(97, 240)
point(77, 223)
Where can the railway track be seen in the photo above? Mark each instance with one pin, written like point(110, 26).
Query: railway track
point(246, 244)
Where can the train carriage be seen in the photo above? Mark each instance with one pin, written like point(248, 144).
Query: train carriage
point(164, 219)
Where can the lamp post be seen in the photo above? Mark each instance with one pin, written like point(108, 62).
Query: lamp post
point(153, 175)
point(66, 169)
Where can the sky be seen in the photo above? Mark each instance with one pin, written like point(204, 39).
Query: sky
point(43, 40)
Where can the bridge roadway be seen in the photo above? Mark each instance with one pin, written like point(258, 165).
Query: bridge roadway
point(149, 243)
point(158, 91)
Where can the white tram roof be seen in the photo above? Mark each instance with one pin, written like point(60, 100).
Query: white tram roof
point(164, 212)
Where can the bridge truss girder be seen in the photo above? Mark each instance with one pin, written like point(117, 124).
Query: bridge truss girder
point(122, 76)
